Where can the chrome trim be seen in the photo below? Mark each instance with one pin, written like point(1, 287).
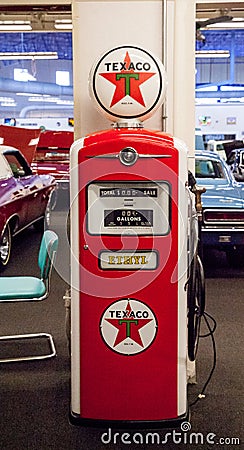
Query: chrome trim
point(129, 124)
point(28, 225)
point(129, 150)
point(222, 230)
point(116, 156)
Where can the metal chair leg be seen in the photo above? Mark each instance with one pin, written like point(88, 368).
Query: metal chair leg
point(19, 337)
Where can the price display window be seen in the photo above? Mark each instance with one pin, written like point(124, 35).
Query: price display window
point(116, 208)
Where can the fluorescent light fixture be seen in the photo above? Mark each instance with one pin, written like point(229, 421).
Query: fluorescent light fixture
point(43, 99)
point(232, 88)
point(207, 101)
point(15, 28)
point(8, 104)
point(66, 26)
point(7, 99)
point(28, 55)
point(63, 24)
point(15, 25)
point(212, 54)
point(207, 88)
point(27, 94)
point(65, 102)
point(237, 22)
point(233, 100)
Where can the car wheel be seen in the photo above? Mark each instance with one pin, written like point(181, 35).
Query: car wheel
point(235, 256)
point(5, 247)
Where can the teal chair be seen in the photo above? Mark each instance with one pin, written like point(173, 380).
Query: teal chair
point(31, 289)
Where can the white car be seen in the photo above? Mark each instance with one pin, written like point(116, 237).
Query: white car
point(217, 146)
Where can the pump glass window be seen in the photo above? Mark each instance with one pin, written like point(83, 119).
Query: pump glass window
point(128, 208)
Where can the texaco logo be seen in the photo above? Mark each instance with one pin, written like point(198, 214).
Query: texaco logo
point(128, 82)
point(128, 326)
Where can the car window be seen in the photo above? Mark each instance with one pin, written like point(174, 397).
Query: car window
point(219, 147)
point(208, 168)
point(16, 167)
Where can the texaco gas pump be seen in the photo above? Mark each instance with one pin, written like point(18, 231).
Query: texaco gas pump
point(130, 242)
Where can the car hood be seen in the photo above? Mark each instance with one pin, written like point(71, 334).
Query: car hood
point(222, 196)
point(24, 139)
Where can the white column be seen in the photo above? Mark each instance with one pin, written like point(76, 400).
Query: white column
point(183, 89)
point(99, 26)
point(102, 25)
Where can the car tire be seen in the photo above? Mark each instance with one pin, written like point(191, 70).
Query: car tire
point(235, 256)
point(5, 247)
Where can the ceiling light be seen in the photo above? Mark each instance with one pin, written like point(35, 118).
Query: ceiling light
point(8, 104)
point(63, 24)
point(231, 88)
point(65, 102)
point(43, 99)
point(28, 55)
point(237, 22)
point(207, 101)
point(15, 25)
point(7, 99)
point(212, 54)
point(207, 88)
point(27, 94)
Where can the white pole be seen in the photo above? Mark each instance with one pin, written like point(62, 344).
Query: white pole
point(184, 74)
point(99, 26)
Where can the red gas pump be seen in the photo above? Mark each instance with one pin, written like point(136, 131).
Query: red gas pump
point(130, 253)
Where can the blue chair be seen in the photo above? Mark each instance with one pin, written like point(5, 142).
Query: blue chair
point(31, 289)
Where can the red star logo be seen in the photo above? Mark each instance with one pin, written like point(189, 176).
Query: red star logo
point(127, 82)
point(128, 327)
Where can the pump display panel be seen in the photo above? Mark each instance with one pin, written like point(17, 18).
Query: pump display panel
point(128, 208)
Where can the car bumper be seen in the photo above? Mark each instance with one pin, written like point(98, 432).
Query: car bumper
point(222, 238)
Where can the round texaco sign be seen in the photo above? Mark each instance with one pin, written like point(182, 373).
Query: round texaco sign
point(128, 83)
point(128, 326)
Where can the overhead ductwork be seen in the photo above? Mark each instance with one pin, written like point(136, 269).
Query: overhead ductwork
point(35, 87)
point(24, 112)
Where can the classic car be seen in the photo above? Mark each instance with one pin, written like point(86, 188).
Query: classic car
point(223, 206)
point(23, 198)
point(52, 154)
point(235, 161)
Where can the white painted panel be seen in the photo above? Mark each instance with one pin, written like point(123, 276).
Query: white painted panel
point(103, 25)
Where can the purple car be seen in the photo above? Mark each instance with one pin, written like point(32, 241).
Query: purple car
point(23, 198)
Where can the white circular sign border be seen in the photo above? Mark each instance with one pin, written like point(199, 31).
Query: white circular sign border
point(140, 116)
point(128, 299)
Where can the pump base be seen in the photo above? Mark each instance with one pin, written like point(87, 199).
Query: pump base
point(76, 420)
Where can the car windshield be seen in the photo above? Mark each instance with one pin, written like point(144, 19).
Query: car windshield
point(209, 168)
